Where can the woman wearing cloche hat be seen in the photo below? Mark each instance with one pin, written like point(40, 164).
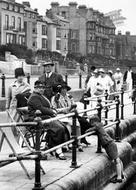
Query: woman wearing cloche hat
point(17, 88)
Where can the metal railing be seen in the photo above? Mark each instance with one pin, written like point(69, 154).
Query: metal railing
point(38, 123)
point(28, 77)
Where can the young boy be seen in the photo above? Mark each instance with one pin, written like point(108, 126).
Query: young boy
point(106, 141)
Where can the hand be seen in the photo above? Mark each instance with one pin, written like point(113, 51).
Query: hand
point(57, 96)
point(73, 107)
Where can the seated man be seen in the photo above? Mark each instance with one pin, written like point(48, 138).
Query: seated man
point(55, 130)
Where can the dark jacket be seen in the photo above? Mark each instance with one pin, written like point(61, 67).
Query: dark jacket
point(39, 102)
point(50, 82)
point(133, 77)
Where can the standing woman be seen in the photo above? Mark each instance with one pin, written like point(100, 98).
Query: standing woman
point(17, 88)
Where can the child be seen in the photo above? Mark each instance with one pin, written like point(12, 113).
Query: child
point(106, 142)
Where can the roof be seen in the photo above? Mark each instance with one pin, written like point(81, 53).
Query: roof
point(61, 18)
point(30, 9)
point(48, 20)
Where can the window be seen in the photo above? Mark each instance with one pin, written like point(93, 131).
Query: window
point(13, 22)
point(44, 43)
point(58, 32)
point(73, 47)
point(21, 40)
point(19, 23)
point(11, 38)
point(63, 14)
point(44, 30)
point(58, 44)
point(74, 34)
point(6, 21)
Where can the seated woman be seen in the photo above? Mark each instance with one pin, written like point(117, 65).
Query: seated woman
point(63, 102)
point(55, 130)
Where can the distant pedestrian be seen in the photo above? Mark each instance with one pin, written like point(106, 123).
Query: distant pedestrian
point(106, 141)
point(129, 80)
point(50, 79)
point(118, 76)
point(91, 73)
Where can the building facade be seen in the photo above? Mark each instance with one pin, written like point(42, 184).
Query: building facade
point(90, 32)
point(30, 26)
point(126, 46)
point(11, 22)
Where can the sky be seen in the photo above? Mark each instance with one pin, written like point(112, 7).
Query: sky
point(128, 9)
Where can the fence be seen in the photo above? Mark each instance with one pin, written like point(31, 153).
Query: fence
point(38, 123)
point(4, 79)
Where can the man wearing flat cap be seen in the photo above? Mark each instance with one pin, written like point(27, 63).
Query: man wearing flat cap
point(50, 79)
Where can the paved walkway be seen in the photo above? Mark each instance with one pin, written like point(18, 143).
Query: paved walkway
point(12, 176)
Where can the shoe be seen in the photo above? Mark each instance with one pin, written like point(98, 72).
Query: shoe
point(60, 156)
point(80, 148)
point(115, 180)
point(65, 149)
point(85, 141)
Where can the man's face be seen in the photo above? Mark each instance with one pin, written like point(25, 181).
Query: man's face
point(48, 68)
point(40, 90)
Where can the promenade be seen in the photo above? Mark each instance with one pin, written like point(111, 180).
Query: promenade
point(12, 176)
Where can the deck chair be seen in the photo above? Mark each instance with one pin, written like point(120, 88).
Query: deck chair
point(9, 146)
point(29, 133)
point(8, 143)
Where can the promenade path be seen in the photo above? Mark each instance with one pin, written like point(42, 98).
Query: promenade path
point(12, 176)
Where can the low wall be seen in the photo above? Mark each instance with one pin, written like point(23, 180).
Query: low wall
point(95, 174)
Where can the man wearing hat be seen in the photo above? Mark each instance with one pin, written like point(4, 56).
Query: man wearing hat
point(55, 130)
point(118, 76)
point(50, 79)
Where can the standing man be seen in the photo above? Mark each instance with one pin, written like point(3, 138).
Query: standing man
point(89, 75)
point(129, 80)
point(118, 76)
point(50, 79)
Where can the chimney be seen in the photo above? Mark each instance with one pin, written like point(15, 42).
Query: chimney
point(119, 33)
point(54, 7)
point(82, 9)
point(26, 3)
point(72, 9)
point(127, 33)
point(36, 10)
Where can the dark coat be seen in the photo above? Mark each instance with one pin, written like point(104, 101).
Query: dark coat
point(39, 102)
point(50, 82)
point(56, 131)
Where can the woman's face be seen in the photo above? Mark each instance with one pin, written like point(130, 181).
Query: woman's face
point(20, 78)
point(64, 91)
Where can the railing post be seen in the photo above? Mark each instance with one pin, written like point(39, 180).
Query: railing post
point(117, 132)
point(3, 85)
point(74, 144)
point(28, 78)
point(85, 103)
point(66, 78)
point(106, 108)
point(134, 101)
point(99, 105)
point(37, 184)
point(80, 80)
point(122, 103)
